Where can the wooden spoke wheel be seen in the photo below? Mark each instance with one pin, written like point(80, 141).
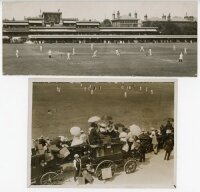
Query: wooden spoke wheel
point(130, 166)
point(48, 178)
point(105, 164)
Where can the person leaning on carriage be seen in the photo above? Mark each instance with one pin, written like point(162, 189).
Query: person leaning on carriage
point(94, 138)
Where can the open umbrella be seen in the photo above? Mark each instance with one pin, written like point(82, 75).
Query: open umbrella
point(106, 118)
point(93, 119)
point(135, 130)
point(75, 131)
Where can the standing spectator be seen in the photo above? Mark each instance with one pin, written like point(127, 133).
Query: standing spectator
point(168, 147)
point(77, 166)
point(142, 151)
point(154, 141)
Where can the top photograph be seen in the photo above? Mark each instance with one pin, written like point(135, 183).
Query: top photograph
point(100, 38)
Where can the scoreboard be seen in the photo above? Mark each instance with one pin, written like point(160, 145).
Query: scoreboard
point(52, 17)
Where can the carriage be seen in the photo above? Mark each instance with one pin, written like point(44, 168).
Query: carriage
point(98, 156)
point(109, 156)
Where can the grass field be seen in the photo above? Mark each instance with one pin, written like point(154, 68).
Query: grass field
point(72, 106)
point(132, 62)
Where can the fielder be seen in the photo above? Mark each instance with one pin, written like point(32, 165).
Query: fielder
point(73, 51)
point(141, 49)
point(92, 46)
point(40, 48)
point(174, 48)
point(68, 56)
point(17, 53)
point(125, 94)
point(180, 57)
point(150, 52)
point(94, 54)
point(185, 51)
point(117, 52)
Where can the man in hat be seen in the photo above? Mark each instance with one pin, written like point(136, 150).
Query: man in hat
point(77, 166)
point(168, 145)
point(94, 138)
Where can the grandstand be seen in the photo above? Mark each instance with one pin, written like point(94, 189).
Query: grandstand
point(51, 27)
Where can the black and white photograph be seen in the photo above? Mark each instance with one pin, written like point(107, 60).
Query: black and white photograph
point(102, 134)
point(100, 38)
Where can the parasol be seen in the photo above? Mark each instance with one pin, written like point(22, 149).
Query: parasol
point(75, 131)
point(135, 130)
point(93, 119)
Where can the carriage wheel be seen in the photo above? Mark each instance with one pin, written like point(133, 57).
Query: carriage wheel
point(130, 166)
point(48, 178)
point(105, 164)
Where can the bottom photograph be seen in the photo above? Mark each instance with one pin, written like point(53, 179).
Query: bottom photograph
point(102, 134)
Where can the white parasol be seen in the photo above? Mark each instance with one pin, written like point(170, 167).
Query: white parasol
point(75, 131)
point(93, 119)
point(135, 130)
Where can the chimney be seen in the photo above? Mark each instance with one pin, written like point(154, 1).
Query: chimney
point(113, 16)
point(136, 15)
point(118, 14)
point(164, 17)
point(129, 14)
point(169, 17)
point(145, 17)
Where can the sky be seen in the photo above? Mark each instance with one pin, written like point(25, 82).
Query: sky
point(99, 10)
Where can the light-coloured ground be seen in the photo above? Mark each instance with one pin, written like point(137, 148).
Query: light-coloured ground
point(155, 172)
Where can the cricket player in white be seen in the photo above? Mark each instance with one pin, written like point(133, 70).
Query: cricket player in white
point(94, 54)
point(174, 47)
point(142, 49)
point(73, 51)
point(92, 46)
point(185, 51)
point(125, 94)
point(117, 52)
point(150, 52)
point(40, 48)
point(181, 57)
point(49, 53)
point(17, 53)
point(68, 56)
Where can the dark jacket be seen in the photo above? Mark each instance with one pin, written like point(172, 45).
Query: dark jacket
point(169, 144)
point(94, 137)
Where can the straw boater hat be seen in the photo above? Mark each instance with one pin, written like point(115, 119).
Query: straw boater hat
point(76, 155)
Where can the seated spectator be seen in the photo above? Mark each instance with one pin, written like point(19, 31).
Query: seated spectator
point(83, 136)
